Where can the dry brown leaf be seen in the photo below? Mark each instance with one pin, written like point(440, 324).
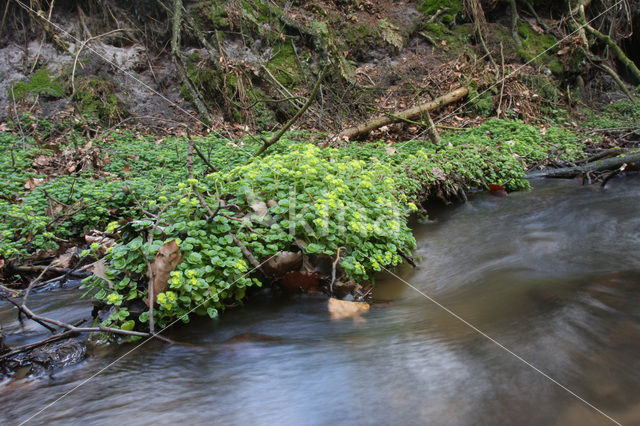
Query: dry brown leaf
point(33, 183)
point(42, 160)
point(261, 209)
point(165, 261)
point(67, 259)
point(389, 150)
point(99, 270)
point(126, 169)
point(339, 309)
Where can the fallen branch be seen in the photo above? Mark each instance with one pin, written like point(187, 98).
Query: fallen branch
point(38, 268)
point(275, 138)
point(30, 346)
point(206, 161)
point(432, 131)
point(611, 152)
point(31, 315)
point(597, 166)
point(247, 254)
point(411, 113)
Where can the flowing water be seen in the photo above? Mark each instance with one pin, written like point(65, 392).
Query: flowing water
point(552, 274)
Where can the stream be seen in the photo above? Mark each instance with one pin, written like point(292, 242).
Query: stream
point(552, 274)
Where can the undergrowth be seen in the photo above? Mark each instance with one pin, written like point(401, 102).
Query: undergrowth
point(357, 198)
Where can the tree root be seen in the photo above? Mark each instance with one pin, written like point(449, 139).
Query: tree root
point(514, 22)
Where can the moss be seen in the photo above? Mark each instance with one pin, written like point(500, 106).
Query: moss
point(210, 15)
point(481, 101)
point(40, 83)
point(455, 40)
point(284, 66)
point(543, 86)
point(539, 48)
point(95, 99)
point(265, 118)
point(360, 40)
point(431, 7)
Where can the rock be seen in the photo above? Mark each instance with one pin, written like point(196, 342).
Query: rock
point(339, 309)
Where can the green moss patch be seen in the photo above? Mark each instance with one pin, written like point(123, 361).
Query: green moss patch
point(40, 83)
point(539, 48)
point(448, 9)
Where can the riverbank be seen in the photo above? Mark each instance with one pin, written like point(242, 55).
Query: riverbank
point(301, 218)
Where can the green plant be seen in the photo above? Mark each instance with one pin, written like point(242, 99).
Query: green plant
point(40, 83)
point(95, 99)
point(322, 197)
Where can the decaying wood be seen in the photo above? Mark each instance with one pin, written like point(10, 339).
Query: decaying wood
point(411, 113)
point(596, 166)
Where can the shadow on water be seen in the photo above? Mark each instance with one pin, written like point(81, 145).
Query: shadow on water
point(553, 274)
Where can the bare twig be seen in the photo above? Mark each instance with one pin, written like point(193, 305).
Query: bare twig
point(33, 282)
point(40, 319)
point(275, 138)
point(247, 254)
point(211, 166)
point(499, 110)
point(75, 59)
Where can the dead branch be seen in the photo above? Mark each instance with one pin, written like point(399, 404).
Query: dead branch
point(25, 348)
point(247, 254)
point(432, 131)
point(333, 271)
point(275, 138)
point(207, 162)
point(596, 166)
point(178, 61)
point(411, 113)
point(38, 268)
point(77, 55)
point(25, 310)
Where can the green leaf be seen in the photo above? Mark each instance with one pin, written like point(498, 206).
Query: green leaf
point(128, 325)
